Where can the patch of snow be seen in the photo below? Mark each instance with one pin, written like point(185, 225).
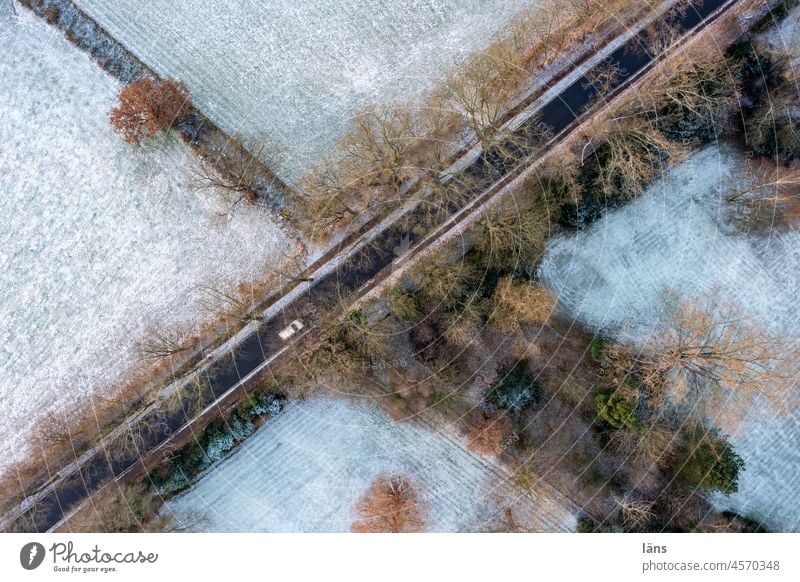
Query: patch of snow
point(786, 36)
point(612, 277)
point(98, 240)
point(298, 71)
point(305, 469)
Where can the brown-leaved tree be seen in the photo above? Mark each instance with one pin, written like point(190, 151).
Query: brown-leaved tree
point(148, 106)
point(390, 506)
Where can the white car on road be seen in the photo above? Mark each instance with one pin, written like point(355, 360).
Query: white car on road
point(291, 329)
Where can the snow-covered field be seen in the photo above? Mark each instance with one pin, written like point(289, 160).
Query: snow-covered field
point(612, 277)
point(305, 469)
point(297, 71)
point(98, 240)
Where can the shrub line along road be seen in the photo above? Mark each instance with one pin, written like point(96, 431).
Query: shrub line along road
point(347, 282)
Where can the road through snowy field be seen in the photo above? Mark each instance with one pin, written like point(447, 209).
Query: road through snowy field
point(98, 240)
point(299, 70)
point(305, 469)
point(612, 276)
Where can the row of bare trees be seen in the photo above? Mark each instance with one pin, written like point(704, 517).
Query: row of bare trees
point(389, 146)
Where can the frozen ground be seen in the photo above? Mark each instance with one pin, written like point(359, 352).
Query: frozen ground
point(305, 469)
point(299, 70)
point(97, 240)
point(612, 277)
point(786, 37)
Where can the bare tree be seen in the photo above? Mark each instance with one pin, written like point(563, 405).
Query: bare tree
point(436, 128)
point(514, 238)
point(189, 398)
point(241, 169)
point(463, 328)
point(134, 439)
point(712, 351)
point(162, 342)
point(348, 343)
point(329, 198)
point(293, 270)
point(385, 147)
point(661, 35)
point(773, 129)
point(437, 198)
point(631, 151)
point(766, 198)
point(390, 506)
point(602, 78)
point(375, 150)
point(652, 445)
point(546, 29)
point(698, 81)
point(444, 280)
point(480, 91)
point(635, 513)
point(227, 305)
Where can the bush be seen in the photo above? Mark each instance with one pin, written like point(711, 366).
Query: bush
point(174, 482)
point(215, 442)
point(270, 404)
point(219, 443)
point(404, 306)
point(260, 403)
point(515, 392)
point(709, 462)
point(615, 411)
point(596, 348)
point(517, 302)
point(240, 429)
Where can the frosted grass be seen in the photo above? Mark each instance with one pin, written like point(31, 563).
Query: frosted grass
point(98, 241)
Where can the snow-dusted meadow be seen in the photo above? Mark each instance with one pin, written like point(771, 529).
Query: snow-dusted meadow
point(98, 240)
point(785, 37)
point(297, 71)
point(305, 469)
point(613, 275)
